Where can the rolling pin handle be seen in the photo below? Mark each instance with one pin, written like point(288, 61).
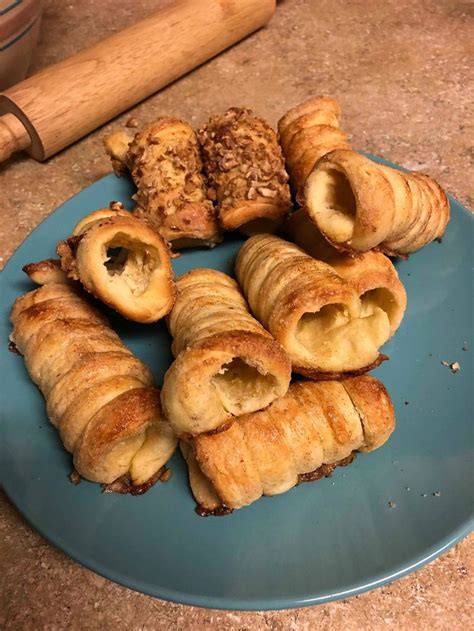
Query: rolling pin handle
point(13, 136)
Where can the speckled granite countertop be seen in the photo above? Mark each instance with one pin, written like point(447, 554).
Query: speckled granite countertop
point(400, 70)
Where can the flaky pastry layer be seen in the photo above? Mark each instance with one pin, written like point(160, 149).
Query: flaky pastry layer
point(245, 170)
point(123, 262)
point(270, 451)
point(314, 313)
point(99, 396)
point(226, 363)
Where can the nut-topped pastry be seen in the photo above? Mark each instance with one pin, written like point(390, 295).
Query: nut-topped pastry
point(165, 164)
point(245, 170)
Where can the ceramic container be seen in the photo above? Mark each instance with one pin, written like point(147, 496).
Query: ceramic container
point(19, 30)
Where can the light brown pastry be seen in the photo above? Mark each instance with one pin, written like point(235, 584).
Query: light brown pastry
point(315, 314)
point(226, 363)
point(47, 271)
point(306, 133)
point(123, 262)
point(358, 205)
point(302, 436)
point(165, 164)
point(245, 170)
point(372, 275)
point(99, 396)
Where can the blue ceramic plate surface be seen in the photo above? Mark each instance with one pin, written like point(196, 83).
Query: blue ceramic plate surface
point(319, 542)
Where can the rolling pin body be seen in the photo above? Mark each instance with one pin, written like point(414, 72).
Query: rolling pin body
point(59, 105)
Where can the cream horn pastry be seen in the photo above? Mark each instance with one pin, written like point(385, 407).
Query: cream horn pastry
point(165, 164)
point(371, 274)
point(99, 396)
point(123, 262)
point(359, 205)
point(301, 436)
point(226, 363)
point(306, 133)
point(245, 170)
point(310, 310)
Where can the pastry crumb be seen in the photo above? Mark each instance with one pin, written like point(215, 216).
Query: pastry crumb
point(132, 122)
point(455, 366)
point(424, 495)
point(166, 475)
point(407, 488)
point(392, 505)
point(436, 494)
point(75, 477)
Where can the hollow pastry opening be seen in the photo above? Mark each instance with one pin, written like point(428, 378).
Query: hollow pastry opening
point(332, 203)
point(131, 261)
point(242, 388)
point(380, 298)
point(333, 340)
point(312, 327)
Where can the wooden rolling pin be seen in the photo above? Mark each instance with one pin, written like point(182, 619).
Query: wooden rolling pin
point(50, 110)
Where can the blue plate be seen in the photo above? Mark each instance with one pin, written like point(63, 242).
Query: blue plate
point(319, 542)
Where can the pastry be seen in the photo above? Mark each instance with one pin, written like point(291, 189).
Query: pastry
point(371, 274)
point(306, 133)
point(358, 205)
point(315, 314)
point(123, 262)
point(165, 164)
point(226, 363)
point(99, 396)
point(245, 170)
point(302, 436)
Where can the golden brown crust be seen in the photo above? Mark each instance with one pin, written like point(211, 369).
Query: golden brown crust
point(245, 170)
point(318, 375)
point(371, 274)
point(301, 436)
point(44, 272)
point(375, 408)
point(121, 261)
point(316, 315)
point(306, 133)
point(359, 205)
point(98, 394)
point(165, 164)
point(226, 363)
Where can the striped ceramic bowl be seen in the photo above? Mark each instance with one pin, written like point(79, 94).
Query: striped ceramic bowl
point(19, 29)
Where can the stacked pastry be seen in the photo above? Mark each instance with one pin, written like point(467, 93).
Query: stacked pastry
point(99, 396)
point(226, 363)
point(245, 171)
point(307, 132)
point(165, 164)
point(329, 325)
point(302, 436)
point(359, 205)
point(123, 262)
point(371, 274)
